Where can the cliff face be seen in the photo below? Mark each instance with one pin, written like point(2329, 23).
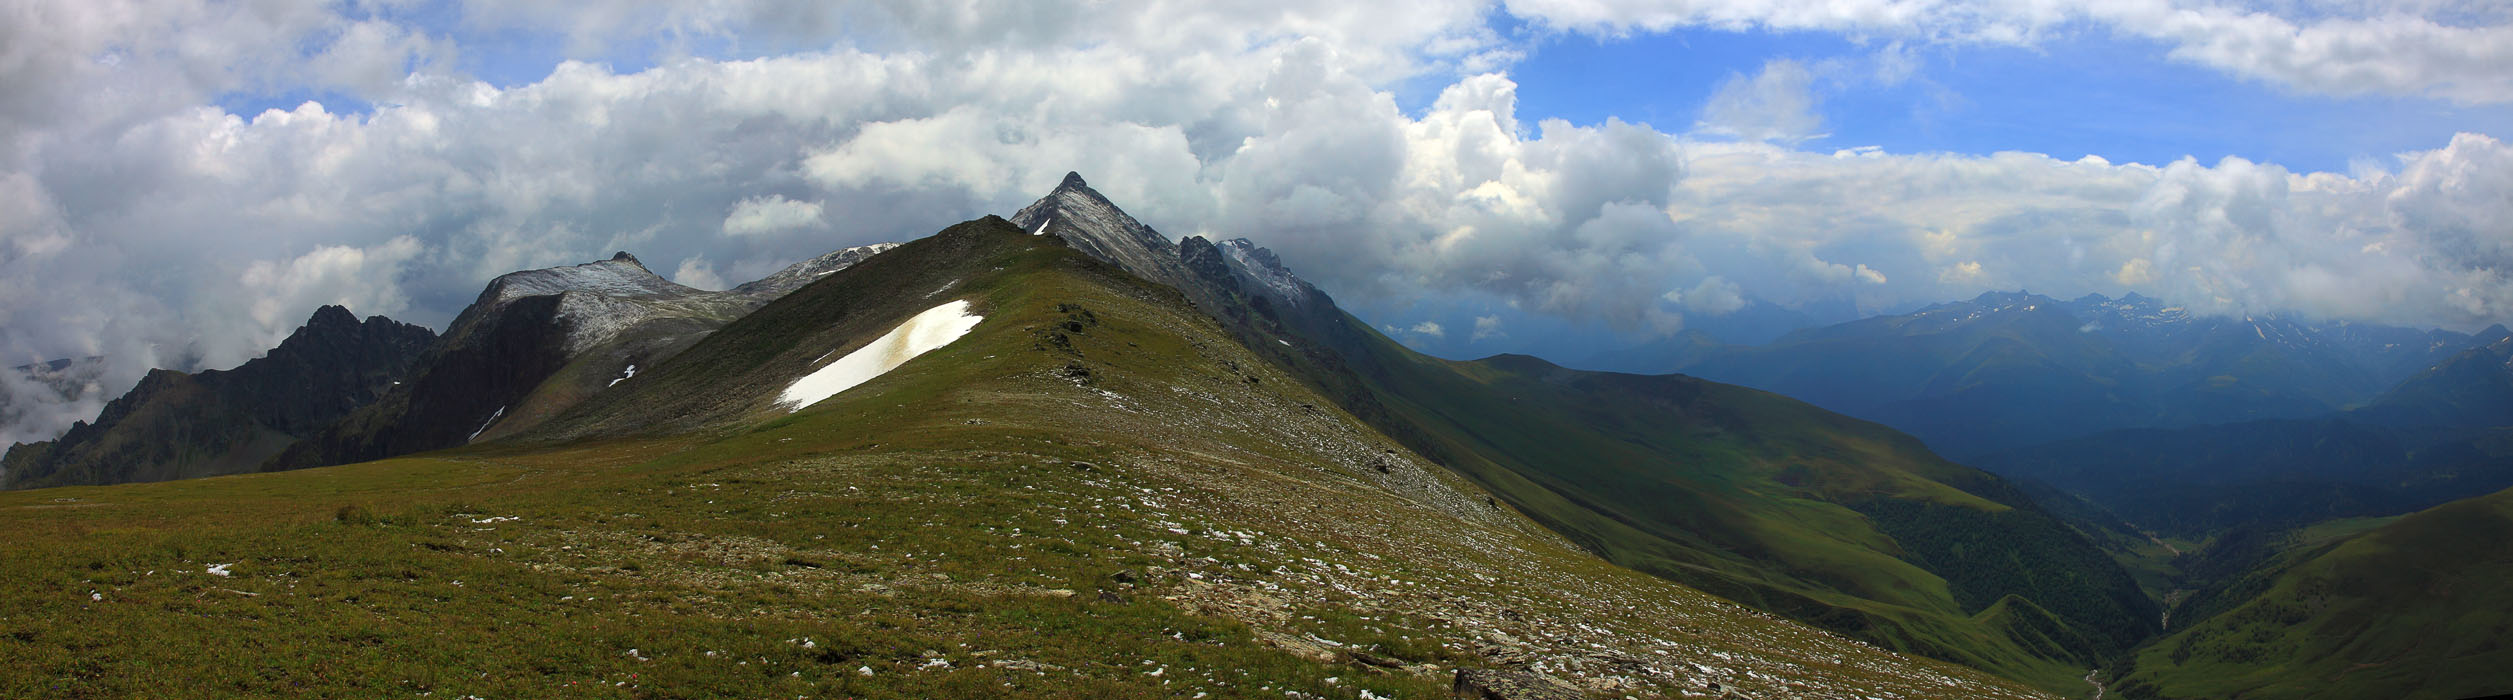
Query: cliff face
point(175, 425)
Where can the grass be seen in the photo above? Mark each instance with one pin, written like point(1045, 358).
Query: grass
point(1773, 503)
point(1178, 518)
point(2368, 607)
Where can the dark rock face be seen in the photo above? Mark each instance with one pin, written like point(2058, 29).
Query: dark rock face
point(487, 362)
point(327, 369)
point(175, 425)
point(1089, 223)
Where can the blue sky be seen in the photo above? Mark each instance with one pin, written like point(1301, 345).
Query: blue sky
point(2119, 99)
point(2084, 92)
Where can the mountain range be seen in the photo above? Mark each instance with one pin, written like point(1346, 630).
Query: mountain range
point(2008, 370)
point(338, 390)
point(1099, 490)
point(1067, 455)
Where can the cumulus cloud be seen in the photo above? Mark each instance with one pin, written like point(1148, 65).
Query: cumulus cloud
point(1488, 327)
point(697, 272)
point(1429, 329)
point(362, 279)
point(1714, 296)
point(770, 214)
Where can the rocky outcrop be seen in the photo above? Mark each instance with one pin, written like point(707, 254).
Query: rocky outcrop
point(1509, 684)
point(174, 425)
point(1089, 223)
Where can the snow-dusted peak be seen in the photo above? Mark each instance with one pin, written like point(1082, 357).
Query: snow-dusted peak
point(621, 276)
point(795, 276)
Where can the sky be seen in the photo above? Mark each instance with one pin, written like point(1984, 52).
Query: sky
point(182, 183)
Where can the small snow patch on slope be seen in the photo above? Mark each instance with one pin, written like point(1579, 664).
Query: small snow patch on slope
point(484, 425)
point(625, 375)
point(934, 328)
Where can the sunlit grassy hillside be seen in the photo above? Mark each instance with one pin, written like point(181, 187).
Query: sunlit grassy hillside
point(1096, 493)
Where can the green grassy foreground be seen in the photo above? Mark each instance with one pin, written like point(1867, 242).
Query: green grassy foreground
point(1094, 494)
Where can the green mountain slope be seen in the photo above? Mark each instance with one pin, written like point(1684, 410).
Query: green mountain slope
point(1097, 492)
point(2412, 609)
point(1759, 498)
point(1771, 502)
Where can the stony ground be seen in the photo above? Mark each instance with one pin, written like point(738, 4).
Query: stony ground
point(1084, 517)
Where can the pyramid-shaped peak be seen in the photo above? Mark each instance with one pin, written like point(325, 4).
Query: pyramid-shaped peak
point(1092, 224)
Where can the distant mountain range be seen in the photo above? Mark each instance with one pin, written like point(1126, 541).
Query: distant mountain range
point(2008, 370)
point(2445, 433)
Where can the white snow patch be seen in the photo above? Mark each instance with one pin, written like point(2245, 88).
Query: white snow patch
point(218, 569)
point(625, 375)
point(934, 328)
point(484, 425)
point(1042, 227)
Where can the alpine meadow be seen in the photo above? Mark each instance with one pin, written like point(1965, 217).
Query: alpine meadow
point(1492, 350)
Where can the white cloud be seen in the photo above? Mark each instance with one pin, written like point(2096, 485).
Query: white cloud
point(1428, 328)
point(1777, 104)
point(1714, 296)
point(1488, 327)
point(283, 294)
point(773, 213)
point(696, 272)
point(2386, 52)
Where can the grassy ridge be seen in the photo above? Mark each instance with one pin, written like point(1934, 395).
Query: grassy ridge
point(1096, 493)
point(2412, 608)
